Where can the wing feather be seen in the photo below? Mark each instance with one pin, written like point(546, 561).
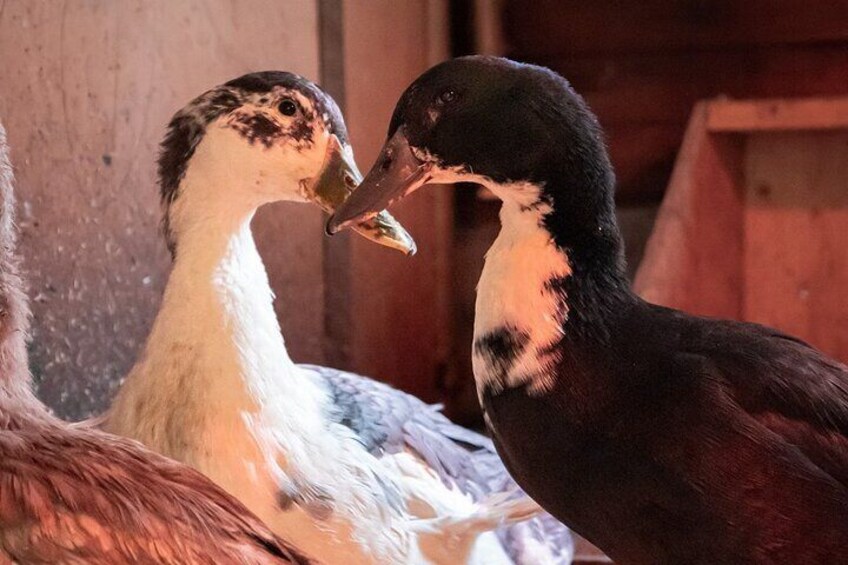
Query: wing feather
point(80, 496)
point(387, 420)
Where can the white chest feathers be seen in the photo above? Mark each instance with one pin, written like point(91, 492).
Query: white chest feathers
point(519, 314)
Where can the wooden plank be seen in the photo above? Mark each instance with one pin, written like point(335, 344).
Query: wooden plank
point(400, 330)
point(338, 315)
point(778, 114)
point(488, 27)
point(796, 226)
point(643, 156)
point(572, 27)
point(693, 259)
point(663, 87)
point(86, 89)
point(643, 101)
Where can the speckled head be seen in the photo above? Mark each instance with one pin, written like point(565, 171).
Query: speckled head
point(263, 137)
point(520, 130)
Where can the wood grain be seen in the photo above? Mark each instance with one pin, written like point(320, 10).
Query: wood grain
point(575, 27)
point(643, 65)
point(400, 330)
point(796, 229)
point(778, 114)
point(754, 223)
point(693, 259)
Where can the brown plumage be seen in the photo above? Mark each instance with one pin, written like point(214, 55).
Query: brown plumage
point(71, 494)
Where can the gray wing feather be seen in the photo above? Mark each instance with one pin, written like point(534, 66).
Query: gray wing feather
point(387, 420)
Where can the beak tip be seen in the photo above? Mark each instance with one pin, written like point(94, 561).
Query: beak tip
point(331, 227)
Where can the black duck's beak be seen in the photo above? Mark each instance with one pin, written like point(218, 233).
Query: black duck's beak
point(339, 177)
point(396, 173)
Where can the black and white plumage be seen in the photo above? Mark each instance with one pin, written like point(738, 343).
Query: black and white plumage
point(660, 436)
point(215, 386)
point(387, 420)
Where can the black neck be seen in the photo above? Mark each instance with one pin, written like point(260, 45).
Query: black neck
point(582, 223)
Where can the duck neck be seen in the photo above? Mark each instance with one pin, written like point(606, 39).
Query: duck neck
point(15, 386)
point(544, 282)
point(215, 353)
point(582, 226)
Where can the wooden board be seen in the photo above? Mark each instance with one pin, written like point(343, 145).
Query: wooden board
point(645, 71)
point(400, 330)
point(579, 27)
point(778, 115)
point(693, 259)
point(796, 230)
point(86, 89)
point(754, 223)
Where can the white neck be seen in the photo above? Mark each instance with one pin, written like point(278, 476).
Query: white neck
point(215, 353)
point(515, 304)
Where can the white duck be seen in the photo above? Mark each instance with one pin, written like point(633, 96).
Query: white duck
point(78, 495)
point(353, 470)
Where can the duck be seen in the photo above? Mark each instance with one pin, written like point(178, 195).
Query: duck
point(79, 495)
point(660, 436)
point(352, 469)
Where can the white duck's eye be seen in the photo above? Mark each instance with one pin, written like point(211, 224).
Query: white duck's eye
point(287, 107)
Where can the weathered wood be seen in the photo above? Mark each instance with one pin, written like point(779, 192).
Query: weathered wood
point(576, 27)
point(796, 230)
point(778, 114)
point(646, 70)
point(754, 223)
point(86, 89)
point(662, 87)
point(693, 259)
point(336, 252)
point(400, 330)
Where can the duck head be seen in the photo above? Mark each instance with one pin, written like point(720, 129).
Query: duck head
point(519, 130)
point(260, 138)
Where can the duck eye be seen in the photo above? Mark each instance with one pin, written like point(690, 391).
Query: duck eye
point(287, 107)
point(446, 96)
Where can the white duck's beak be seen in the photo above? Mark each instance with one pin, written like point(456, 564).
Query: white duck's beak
point(339, 179)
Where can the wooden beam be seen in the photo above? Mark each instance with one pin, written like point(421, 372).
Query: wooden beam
point(335, 252)
point(693, 259)
point(777, 114)
point(575, 27)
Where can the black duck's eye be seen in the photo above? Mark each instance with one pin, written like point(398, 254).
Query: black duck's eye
point(288, 107)
point(446, 97)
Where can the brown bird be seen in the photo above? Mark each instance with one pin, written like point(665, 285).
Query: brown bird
point(71, 494)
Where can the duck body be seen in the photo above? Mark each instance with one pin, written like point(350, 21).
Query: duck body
point(73, 494)
point(659, 436)
point(685, 457)
point(356, 472)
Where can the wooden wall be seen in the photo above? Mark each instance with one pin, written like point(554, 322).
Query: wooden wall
point(755, 218)
point(400, 311)
point(643, 64)
point(86, 89)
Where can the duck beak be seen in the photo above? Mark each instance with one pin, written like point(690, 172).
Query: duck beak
point(397, 173)
point(339, 178)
